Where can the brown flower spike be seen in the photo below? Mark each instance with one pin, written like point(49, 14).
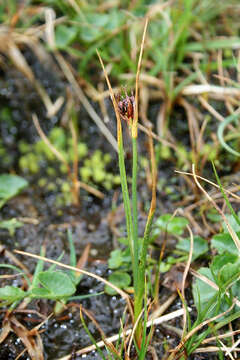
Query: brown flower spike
point(126, 106)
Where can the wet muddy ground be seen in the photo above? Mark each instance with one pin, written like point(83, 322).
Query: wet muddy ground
point(47, 225)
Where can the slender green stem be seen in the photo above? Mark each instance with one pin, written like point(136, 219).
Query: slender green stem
point(135, 211)
point(143, 256)
point(126, 201)
point(141, 277)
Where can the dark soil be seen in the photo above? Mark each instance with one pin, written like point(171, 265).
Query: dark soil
point(64, 334)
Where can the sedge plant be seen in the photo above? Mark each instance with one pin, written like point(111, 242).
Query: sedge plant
point(138, 250)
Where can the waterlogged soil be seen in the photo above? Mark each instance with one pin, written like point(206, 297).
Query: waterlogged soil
point(64, 334)
point(45, 224)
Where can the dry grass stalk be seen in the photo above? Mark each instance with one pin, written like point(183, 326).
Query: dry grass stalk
point(163, 307)
point(68, 73)
point(21, 64)
point(228, 225)
point(210, 349)
point(196, 329)
point(120, 292)
point(211, 283)
point(235, 196)
point(222, 336)
point(72, 175)
point(213, 89)
point(157, 321)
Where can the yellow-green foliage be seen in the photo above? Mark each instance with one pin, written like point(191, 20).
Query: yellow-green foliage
point(92, 168)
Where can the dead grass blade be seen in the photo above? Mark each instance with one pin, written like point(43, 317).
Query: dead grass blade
point(213, 89)
point(228, 225)
point(222, 336)
point(6, 329)
point(10, 276)
point(119, 291)
point(34, 348)
point(157, 321)
point(91, 317)
point(44, 138)
point(163, 307)
point(209, 182)
point(19, 61)
point(108, 344)
point(68, 73)
point(60, 157)
point(211, 283)
point(83, 259)
point(212, 349)
point(196, 329)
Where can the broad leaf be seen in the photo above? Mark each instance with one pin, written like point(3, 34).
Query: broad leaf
point(174, 225)
point(224, 242)
point(11, 294)
point(65, 35)
point(200, 246)
point(57, 284)
point(120, 279)
point(10, 185)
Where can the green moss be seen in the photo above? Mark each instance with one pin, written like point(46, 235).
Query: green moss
point(51, 186)
point(117, 180)
point(24, 147)
point(98, 175)
point(65, 187)
point(29, 163)
point(42, 182)
point(210, 151)
point(82, 150)
point(58, 137)
point(107, 158)
point(85, 173)
point(51, 171)
point(92, 169)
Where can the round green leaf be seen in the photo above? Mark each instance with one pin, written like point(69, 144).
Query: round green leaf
point(10, 185)
point(120, 279)
point(57, 283)
point(11, 294)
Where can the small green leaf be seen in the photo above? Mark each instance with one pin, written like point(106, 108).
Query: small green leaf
point(224, 242)
point(220, 260)
point(116, 259)
point(41, 293)
point(57, 284)
point(164, 267)
point(200, 246)
point(11, 225)
point(202, 289)
point(229, 273)
point(65, 35)
point(174, 225)
point(232, 221)
point(11, 294)
point(120, 279)
point(10, 185)
point(213, 215)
